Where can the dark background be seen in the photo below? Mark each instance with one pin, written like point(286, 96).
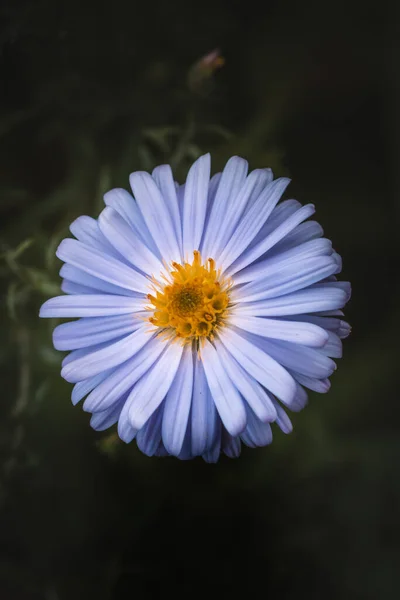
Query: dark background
point(90, 92)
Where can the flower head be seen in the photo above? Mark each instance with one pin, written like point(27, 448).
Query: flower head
point(202, 309)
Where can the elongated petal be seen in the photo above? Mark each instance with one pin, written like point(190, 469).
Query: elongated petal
point(90, 306)
point(232, 179)
point(314, 299)
point(283, 421)
point(149, 437)
point(99, 286)
point(256, 434)
point(316, 385)
point(305, 232)
point(203, 413)
point(108, 357)
point(264, 245)
point(95, 263)
point(195, 205)
point(310, 249)
point(155, 214)
point(252, 223)
point(152, 388)
point(307, 361)
point(177, 405)
point(86, 230)
point(120, 235)
point(291, 331)
point(287, 279)
point(105, 419)
point(248, 193)
point(259, 365)
point(164, 179)
point(212, 455)
point(83, 388)
point(124, 377)
point(254, 394)
point(126, 206)
point(69, 287)
point(231, 446)
point(87, 332)
point(279, 215)
point(126, 432)
point(333, 346)
point(226, 397)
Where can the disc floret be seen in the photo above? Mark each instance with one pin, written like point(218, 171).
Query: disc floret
point(194, 301)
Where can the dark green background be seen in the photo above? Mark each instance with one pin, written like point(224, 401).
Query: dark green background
point(92, 92)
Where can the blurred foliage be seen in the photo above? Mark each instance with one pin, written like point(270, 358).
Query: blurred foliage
point(90, 93)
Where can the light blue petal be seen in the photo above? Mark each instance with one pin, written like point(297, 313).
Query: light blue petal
point(126, 206)
point(256, 434)
point(268, 242)
point(333, 346)
point(260, 365)
point(156, 215)
point(283, 421)
point(161, 451)
point(124, 377)
point(89, 306)
point(305, 232)
point(328, 323)
point(204, 417)
point(345, 286)
point(69, 287)
point(164, 179)
point(307, 361)
point(286, 279)
point(297, 332)
point(86, 230)
point(89, 282)
point(82, 388)
point(227, 399)
point(252, 222)
point(180, 194)
point(212, 455)
point(212, 191)
point(259, 269)
point(125, 430)
point(111, 356)
point(121, 236)
point(339, 261)
point(230, 183)
point(231, 446)
point(279, 215)
point(105, 267)
point(177, 405)
point(322, 386)
point(266, 179)
point(152, 388)
point(149, 437)
point(300, 400)
point(254, 394)
point(90, 331)
point(247, 193)
point(107, 418)
point(318, 298)
point(344, 330)
point(195, 205)
point(186, 451)
point(75, 354)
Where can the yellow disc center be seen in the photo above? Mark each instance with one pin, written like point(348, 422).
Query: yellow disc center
point(193, 302)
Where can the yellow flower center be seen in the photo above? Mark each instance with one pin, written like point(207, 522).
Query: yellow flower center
point(193, 303)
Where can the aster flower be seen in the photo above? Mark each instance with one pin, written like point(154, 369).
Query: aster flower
point(203, 309)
